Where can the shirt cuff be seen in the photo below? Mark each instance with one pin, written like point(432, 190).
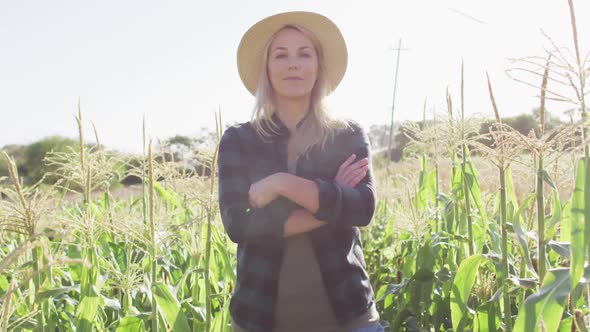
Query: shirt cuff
point(330, 200)
point(279, 211)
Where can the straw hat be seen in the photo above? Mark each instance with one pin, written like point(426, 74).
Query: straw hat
point(251, 48)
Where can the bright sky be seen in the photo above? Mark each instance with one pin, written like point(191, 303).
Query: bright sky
point(174, 61)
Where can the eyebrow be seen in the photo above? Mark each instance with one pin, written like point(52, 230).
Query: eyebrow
point(284, 48)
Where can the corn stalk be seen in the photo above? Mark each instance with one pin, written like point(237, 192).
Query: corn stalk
point(464, 170)
point(153, 241)
point(503, 212)
point(541, 259)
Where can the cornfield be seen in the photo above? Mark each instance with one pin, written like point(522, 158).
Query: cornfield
point(467, 236)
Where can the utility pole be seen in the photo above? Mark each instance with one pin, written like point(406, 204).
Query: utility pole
point(399, 49)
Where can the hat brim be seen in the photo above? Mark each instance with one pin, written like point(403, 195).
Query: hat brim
point(253, 43)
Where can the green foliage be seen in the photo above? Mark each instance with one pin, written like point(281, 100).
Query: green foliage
point(422, 277)
point(461, 290)
point(578, 239)
point(170, 308)
point(86, 313)
point(543, 310)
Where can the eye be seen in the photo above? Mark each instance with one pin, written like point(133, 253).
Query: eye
point(280, 56)
point(306, 55)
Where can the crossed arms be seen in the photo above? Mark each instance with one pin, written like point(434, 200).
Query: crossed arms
point(264, 210)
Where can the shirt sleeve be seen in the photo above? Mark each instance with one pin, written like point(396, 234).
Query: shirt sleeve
point(241, 221)
point(349, 206)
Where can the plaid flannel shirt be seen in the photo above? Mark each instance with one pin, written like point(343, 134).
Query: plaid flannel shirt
point(244, 159)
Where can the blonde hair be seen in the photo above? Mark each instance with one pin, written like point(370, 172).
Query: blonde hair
point(318, 126)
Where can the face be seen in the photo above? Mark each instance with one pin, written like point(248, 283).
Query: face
point(292, 65)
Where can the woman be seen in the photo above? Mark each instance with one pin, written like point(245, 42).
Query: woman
point(295, 184)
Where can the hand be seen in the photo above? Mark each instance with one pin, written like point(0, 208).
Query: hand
point(349, 174)
point(264, 191)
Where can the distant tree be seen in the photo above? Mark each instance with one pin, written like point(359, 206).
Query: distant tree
point(16, 152)
point(551, 122)
point(178, 146)
point(180, 140)
point(378, 135)
point(206, 137)
point(33, 167)
point(523, 123)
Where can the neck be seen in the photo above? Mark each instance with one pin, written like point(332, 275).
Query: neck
point(291, 111)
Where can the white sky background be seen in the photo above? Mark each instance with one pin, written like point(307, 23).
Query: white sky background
point(174, 61)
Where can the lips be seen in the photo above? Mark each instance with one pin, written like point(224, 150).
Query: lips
point(293, 78)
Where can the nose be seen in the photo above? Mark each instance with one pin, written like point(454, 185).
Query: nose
point(293, 65)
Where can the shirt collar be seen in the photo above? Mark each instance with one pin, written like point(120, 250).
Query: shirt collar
point(282, 130)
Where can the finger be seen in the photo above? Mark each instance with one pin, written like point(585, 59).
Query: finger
point(358, 179)
point(357, 165)
point(346, 182)
point(343, 169)
point(361, 162)
point(347, 162)
point(355, 173)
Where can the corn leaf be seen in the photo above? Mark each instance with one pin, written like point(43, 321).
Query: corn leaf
point(87, 311)
point(542, 310)
point(170, 308)
point(168, 195)
point(462, 285)
point(578, 245)
point(131, 324)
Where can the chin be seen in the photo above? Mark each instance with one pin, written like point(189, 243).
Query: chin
point(299, 94)
point(297, 97)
